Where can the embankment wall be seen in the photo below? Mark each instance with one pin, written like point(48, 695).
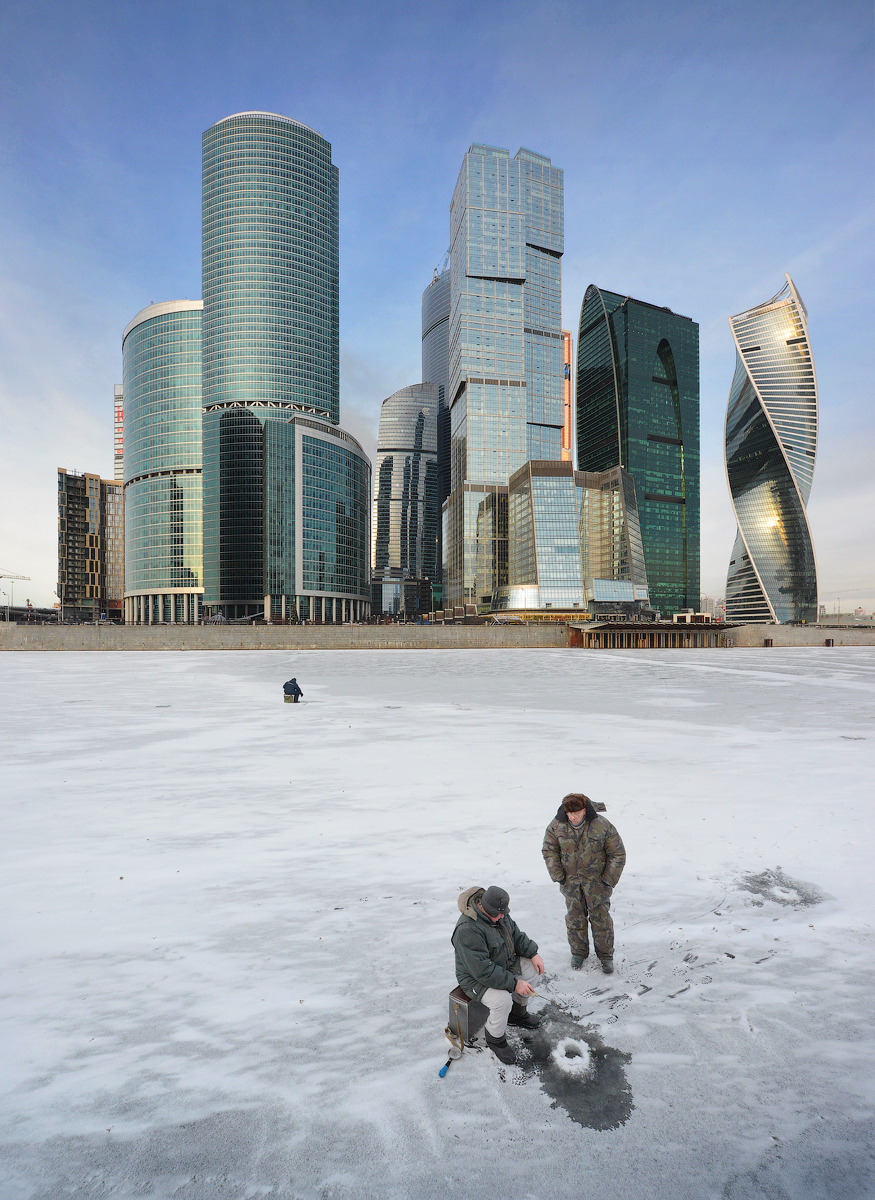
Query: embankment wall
point(281, 637)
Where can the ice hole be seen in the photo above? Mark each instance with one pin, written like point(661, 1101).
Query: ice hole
point(573, 1057)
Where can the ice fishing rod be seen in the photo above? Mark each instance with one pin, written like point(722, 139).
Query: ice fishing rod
point(455, 1048)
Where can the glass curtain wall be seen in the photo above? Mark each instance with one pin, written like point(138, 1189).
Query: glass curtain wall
point(270, 326)
point(435, 369)
point(405, 512)
point(506, 360)
point(161, 352)
point(638, 407)
point(771, 445)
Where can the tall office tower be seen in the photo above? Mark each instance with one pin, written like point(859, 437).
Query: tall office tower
point(119, 433)
point(567, 430)
point(506, 377)
point(90, 546)
point(161, 353)
point(638, 408)
point(404, 526)
point(771, 445)
point(270, 348)
point(435, 366)
point(574, 541)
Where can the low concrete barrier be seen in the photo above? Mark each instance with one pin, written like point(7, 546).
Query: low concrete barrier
point(282, 637)
point(799, 635)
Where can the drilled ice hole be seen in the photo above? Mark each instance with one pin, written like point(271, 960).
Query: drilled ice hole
point(573, 1057)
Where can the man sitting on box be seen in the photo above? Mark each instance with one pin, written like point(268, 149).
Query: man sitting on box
point(496, 963)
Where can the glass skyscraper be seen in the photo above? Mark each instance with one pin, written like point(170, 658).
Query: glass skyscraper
point(435, 369)
point(506, 351)
point(270, 350)
point(638, 407)
point(771, 445)
point(405, 514)
point(161, 352)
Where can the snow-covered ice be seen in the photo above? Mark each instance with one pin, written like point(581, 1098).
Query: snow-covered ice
point(226, 952)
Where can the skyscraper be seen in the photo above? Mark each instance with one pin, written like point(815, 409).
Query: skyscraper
point(638, 407)
point(270, 351)
point(771, 445)
point(435, 367)
point(405, 516)
point(506, 361)
point(161, 353)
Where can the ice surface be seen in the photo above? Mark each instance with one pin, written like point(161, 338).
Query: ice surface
point(226, 950)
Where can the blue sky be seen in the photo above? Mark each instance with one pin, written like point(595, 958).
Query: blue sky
point(707, 150)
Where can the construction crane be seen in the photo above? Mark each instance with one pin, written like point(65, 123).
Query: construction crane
point(11, 575)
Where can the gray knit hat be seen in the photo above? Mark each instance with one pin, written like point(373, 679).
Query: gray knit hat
point(495, 901)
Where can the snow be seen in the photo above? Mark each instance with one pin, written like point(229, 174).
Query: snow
point(226, 952)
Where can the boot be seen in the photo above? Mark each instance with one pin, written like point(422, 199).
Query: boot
point(607, 965)
point(520, 1015)
point(500, 1048)
point(577, 961)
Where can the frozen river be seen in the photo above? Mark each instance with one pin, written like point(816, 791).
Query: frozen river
point(226, 952)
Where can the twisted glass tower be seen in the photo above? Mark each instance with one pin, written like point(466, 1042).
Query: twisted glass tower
point(771, 445)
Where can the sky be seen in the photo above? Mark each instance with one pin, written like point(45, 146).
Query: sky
point(707, 150)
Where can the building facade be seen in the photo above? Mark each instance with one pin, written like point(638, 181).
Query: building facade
point(568, 423)
point(771, 445)
point(118, 449)
point(270, 352)
point(436, 301)
point(90, 546)
point(317, 485)
point(574, 541)
point(506, 352)
point(161, 353)
point(404, 524)
point(638, 408)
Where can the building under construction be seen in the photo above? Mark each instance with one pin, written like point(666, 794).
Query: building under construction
point(91, 560)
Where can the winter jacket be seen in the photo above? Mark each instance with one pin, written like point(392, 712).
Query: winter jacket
point(587, 855)
point(487, 954)
point(291, 688)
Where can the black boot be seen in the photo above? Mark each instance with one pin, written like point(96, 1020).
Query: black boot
point(520, 1015)
point(500, 1048)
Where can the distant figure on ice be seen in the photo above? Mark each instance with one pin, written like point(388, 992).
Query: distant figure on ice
point(291, 689)
point(585, 855)
point(495, 964)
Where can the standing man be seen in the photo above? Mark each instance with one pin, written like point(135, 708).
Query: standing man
point(495, 964)
point(291, 689)
point(585, 856)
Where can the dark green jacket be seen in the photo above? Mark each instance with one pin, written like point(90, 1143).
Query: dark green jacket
point(487, 955)
point(595, 854)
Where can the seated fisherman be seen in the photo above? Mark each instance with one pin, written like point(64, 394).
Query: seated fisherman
point(495, 964)
point(291, 689)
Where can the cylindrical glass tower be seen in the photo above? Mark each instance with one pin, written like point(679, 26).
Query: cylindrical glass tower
point(270, 324)
point(161, 350)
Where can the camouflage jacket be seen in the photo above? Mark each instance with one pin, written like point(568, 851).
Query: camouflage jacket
point(487, 954)
point(592, 853)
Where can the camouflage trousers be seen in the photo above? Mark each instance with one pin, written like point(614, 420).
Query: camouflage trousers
point(589, 903)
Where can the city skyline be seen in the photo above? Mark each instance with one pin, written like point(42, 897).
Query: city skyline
point(665, 225)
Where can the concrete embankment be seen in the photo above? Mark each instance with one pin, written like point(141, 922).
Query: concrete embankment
point(282, 637)
point(545, 635)
point(798, 635)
